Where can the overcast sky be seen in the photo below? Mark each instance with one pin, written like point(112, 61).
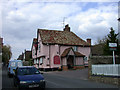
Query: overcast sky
point(21, 19)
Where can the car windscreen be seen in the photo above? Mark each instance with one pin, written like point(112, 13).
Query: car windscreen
point(27, 71)
point(12, 64)
point(19, 64)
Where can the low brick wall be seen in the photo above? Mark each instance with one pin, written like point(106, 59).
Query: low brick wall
point(103, 60)
point(65, 68)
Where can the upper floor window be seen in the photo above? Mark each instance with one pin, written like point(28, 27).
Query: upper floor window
point(39, 47)
point(33, 52)
point(41, 61)
point(75, 48)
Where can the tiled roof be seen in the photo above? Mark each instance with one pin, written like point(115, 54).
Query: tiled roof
point(35, 42)
point(61, 37)
point(66, 51)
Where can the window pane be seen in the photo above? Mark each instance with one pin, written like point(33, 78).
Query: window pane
point(19, 63)
point(12, 64)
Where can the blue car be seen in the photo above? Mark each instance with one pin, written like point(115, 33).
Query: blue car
point(28, 77)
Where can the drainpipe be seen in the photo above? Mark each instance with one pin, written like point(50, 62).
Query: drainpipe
point(74, 60)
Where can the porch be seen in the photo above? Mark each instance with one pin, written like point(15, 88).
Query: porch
point(71, 59)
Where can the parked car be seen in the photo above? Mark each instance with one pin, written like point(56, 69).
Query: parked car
point(13, 64)
point(28, 77)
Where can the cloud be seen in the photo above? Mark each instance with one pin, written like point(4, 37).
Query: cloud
point(22, 19)
point(96, 22)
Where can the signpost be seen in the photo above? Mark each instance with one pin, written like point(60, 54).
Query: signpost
point(113, 47)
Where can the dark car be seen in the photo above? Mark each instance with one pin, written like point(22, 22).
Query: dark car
point(28, 77)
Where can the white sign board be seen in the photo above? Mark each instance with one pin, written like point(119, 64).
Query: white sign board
point(112, 44)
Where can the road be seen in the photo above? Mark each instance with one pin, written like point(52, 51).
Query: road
point(54, 80)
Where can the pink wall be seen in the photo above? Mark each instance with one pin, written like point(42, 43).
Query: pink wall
point(33, 54)
point(85, 51)
point(79, 61)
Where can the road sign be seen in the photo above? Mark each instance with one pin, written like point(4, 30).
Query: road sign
point(112, 44)
point(113, 47)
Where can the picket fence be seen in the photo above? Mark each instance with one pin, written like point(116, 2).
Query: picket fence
point(106, 69)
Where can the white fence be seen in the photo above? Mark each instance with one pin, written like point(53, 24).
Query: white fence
point(106, 69)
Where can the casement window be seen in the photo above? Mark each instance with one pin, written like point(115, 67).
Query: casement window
point(37, 61)
point(39, 48)
point(33, 52)
point(34, 61)
point(41, 61)
point(75, 48)
point(85, 59)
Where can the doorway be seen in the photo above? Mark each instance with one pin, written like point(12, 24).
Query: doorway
point(70, 61)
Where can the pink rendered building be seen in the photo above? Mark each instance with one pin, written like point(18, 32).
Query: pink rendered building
point(53, 49)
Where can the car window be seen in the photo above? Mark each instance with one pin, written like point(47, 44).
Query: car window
point(12, 64)
point(27, 71)
point(19, 64)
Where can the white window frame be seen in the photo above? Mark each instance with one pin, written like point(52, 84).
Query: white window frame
point(41, 60)
point(39, 47)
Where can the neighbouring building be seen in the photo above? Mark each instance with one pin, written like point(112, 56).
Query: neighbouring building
point(26, 56)
point(53, 49)
point(21, 57)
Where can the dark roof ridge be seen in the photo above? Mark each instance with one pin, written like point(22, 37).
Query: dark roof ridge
point(51, 30)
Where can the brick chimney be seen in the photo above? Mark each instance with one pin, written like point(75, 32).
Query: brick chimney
point(89, 41)
point(67, 28)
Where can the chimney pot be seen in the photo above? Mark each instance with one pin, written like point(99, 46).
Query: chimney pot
point(67, 28)
point(89, 41)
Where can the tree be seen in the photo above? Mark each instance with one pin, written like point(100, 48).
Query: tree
point(6, 53)
point(111, 38)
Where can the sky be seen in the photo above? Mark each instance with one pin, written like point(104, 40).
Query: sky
point(87, 19)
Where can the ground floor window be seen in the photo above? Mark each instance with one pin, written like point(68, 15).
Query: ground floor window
point(41, 61)
point(37, 61)
point(85, 59)
point(34, 61)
